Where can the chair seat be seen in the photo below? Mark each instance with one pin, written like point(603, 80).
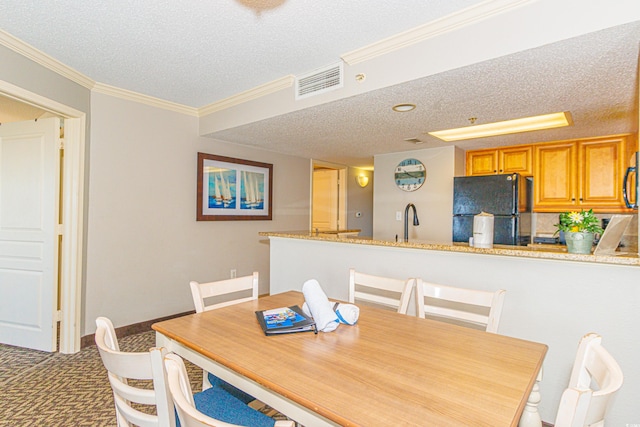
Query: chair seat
point(222, 405)
point(235, 392)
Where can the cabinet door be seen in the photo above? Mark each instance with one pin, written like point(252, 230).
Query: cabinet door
point(482, 162)
point(516, 160)
point(601, 171)
point(554, 176)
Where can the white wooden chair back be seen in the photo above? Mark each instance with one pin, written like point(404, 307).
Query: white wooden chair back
point(122, 366)
point(465, 304)
point(595, 379)
point(222, 288)
point(182, 396)
point(395, 292)
point(201, 291)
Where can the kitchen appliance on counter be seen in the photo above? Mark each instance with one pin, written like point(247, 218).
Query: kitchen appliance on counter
point(634, 186)
point(506, 196)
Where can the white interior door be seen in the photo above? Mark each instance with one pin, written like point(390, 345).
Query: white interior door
point(29, 189)
point(325, 199)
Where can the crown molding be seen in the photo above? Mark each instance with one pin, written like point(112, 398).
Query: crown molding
point(144, 99)
point(43, 59)
point(435, 28)
point(248, 95)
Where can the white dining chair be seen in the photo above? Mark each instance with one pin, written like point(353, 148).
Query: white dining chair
point(122, 367)
point(222, 293)
point(380, 290)
point(186, 404)
point(136, 404)
point(595, 378)
point(468, 306)
point(210, 295)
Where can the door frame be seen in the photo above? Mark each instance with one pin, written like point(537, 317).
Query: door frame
point(72, 203)
point(342, 191)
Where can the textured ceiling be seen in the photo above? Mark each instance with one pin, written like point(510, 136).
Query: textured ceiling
point(195, 54)
point(198, 52)
point(594, 77)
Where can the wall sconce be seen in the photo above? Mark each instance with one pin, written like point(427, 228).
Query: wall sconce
point(362, 180)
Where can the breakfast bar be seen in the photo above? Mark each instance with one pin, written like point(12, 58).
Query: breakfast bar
point(552, 297)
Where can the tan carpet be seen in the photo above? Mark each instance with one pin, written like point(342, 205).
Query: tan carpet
point(53, 389)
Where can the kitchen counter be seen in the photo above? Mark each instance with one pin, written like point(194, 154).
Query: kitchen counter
point(541, 251)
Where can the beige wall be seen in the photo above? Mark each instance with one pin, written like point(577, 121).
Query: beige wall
point(360, 199)
point(22, 72)
point(144, 244)
point(433, 201)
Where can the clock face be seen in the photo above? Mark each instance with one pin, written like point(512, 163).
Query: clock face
point(410, 174)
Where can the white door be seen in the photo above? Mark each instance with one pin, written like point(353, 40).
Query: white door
point(29, 188)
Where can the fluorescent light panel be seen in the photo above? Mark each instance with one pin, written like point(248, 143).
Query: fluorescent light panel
point(526, 124)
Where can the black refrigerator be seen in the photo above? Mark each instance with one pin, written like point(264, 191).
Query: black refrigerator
point(506, 196)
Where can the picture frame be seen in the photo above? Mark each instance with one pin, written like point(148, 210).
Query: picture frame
point(231, 189)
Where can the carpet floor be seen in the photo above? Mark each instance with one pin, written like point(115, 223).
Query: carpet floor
point(54, 389)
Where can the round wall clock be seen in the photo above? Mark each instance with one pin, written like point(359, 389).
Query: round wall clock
point(410, 174)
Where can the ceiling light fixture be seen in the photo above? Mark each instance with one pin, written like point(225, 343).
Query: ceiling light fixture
point(403, 108)
point(525, 124)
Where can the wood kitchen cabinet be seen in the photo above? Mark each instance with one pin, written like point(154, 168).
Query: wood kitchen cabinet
point(516, 159)
point(580, 174)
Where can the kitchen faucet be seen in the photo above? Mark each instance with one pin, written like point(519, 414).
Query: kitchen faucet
point(406, 220)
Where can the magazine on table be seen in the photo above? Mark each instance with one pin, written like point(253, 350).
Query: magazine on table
point(285, 320)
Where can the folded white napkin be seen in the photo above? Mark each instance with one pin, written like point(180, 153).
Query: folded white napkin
point(319, 306)
point(347, 313)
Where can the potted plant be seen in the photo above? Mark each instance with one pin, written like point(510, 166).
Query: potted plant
point(579, 230)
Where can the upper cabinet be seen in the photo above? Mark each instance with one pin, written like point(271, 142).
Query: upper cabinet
point(516, 159)
point(555, 176)
point(580, 174)
point(567, 175)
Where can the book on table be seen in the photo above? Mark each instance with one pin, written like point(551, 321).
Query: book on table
point(285, 320)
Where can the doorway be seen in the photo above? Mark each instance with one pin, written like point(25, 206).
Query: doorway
point(71, 211)
point(328, 197)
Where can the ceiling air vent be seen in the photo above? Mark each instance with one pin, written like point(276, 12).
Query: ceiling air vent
point(319, 81)
point(414, 140)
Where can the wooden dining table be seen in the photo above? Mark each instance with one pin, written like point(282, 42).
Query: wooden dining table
point(387, 370)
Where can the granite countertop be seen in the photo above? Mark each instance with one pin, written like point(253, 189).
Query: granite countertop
point(542, 251)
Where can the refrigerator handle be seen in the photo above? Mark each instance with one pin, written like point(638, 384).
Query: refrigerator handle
point(514, 195)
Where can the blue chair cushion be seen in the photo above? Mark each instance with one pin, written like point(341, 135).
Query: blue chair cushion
point(219, 404)
point(235, 392)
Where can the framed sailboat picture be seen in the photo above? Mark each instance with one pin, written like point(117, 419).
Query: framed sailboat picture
point(233, 189)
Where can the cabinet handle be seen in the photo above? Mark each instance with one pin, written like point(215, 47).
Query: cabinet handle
point(500, 170)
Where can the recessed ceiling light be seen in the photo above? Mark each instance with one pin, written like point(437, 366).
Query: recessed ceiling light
point(525, 124)
point(403, 108)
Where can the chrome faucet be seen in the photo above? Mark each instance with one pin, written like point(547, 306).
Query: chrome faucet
point(406, 220)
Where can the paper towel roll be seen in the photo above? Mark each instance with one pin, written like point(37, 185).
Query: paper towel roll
point(483, 230)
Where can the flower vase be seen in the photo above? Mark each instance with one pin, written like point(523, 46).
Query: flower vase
point(579, 242)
